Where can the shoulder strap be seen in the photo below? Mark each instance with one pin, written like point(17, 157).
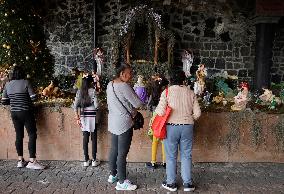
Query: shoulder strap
point(120, 101)
point(167, 91)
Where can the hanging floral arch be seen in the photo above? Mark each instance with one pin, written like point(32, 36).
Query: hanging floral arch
point(139, 14)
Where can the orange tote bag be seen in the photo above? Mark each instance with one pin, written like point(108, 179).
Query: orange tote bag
point(159, 123)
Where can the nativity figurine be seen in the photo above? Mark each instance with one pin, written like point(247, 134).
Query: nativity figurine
point(199, 84)
point(241, 99)
point(99, 59)
point(267, 97)
point(140, 89)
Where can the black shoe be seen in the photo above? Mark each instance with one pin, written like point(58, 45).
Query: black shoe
point(151, 165)
point(170, 187)
point(164, 165)
point(188, 187)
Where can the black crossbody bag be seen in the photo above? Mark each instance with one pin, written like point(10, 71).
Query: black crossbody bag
point(138, 119)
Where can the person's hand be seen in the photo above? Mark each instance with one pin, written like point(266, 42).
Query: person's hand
point(79, 123)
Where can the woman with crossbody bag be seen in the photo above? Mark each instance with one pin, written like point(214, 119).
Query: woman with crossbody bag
point(121, 100)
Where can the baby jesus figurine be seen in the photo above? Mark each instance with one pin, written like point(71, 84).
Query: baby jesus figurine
point(242, 98)
point(199, 85)
point(140, 89)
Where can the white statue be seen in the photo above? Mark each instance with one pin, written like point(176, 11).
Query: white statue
point(99, 57)
point(187, 60)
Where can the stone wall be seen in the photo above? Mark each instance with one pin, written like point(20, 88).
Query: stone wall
point(219, 39)
point(69, 29)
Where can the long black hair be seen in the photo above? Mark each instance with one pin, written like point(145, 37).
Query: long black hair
point(84, 98)
point(17, 73)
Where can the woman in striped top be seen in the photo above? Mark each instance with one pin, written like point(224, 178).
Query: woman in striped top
point(85, 107)
point(19, 94)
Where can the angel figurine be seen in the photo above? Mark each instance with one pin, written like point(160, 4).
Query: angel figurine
point(242, 98)
point(187, 60)
point(140, 89)
point(199, 85)
point(99, 58)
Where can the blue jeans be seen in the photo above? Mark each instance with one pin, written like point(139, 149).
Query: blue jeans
point(179, 136)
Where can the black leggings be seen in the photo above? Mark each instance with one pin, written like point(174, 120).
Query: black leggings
point(20, 120)
point(86, 136)
point(120, 145)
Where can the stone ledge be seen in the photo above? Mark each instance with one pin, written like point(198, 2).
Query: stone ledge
point(219, 137)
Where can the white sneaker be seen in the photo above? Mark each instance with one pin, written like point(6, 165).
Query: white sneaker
point(35, 165)
point(112, 179)
point(125, 186)
point(86, 163)
point(21, 163)
point(95, 163)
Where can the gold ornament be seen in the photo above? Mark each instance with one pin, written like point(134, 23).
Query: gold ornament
point(4, 45)
point(6, 14)
point(13, 32)
point(34, 46)
point(8, 46)
point(27, 57)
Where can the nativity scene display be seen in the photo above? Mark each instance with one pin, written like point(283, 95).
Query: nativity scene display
point(145, 44)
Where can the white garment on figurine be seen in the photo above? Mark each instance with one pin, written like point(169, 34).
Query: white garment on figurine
point(197, 88)
point(187, 60)
point(99, 60)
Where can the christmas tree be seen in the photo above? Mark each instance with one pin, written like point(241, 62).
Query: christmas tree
point(22, 40)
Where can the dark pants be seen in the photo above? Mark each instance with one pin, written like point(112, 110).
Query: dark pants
point(86, 136)
point(20, 120)
point(120, 145)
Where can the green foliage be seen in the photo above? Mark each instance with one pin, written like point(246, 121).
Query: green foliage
point(280, 88)
point(149, 69)
point(23, 41)
point(232, 139)
point(279, 133)
point(237, 120)
point(223, 87)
